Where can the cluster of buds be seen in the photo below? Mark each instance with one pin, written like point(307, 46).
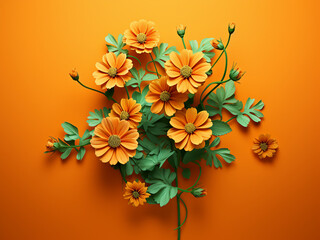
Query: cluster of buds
point(217, 44)
point(181, 30)
point(236, 73)
point(199, 192)
point(74, 74)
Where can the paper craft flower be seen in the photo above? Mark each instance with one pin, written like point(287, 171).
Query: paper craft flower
point(127, 110)
point(165, 99)
point(136, 192)
point(113, 141)
point(112, 71)
point(142, 36)
point(265, 146)
point(190, 129)
point(187, 70)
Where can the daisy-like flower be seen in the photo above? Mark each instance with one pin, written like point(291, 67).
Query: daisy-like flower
point(190, 129)
point(165, 99)
point(136, 192)
point(112, 71)
point(265, 146)
point(187, 70)
point(114, 142)
point(142, 36)
point(127, 110)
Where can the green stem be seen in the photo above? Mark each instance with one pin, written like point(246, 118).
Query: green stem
point(94, 90)
point(197, 178)
point(184, 43)
point(122, 175)
point(225, 48)
point(154, 63)
point(220, 82)
point(224, 74)
point(72, 146)
point(127, 91)
point(178, 207)
point(148, 68)
point(185, 206)
point(231, 118)
point(184, 190)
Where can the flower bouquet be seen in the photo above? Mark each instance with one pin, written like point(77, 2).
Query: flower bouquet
point(164, 122)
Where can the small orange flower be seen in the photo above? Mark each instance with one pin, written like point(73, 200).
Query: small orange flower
point(50, 144)
point(127, 110)
point(187, 70)
point(74, 74)
point(136, 192)
point(165, 99)
point(142, 36)
point(265, 146)
point(113, 141)
point(190, 129)
point(113, 70)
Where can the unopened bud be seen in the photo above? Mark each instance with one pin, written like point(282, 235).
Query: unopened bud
point(74, 74)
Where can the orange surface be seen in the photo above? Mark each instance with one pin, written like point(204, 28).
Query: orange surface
point(42, 197)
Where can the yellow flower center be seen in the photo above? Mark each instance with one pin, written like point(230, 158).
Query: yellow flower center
point(112, 72)
point(264, 146)
point(135, 194)
point(186, 71)
point(114, 141)
point(141, 37)
point(124, 115)
point(165, 96)
point(190, 128)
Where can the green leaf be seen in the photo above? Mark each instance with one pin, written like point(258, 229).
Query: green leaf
point(71, 131)
point(96, 117)
point(81, 153)
point(220, 128)
point(194, 155)
point(224, 98)
point(161, 185)
point(139, 77)
point(66, 153)
point(251, 112)
point(162, 53)
point(114, 46)
point(204, 47)
point(186, 173)
point(224, 153)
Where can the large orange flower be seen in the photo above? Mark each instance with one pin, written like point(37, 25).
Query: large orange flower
point(136, 192)
point(142, 36)
point(127, 110)
point(187, 70)
point(114, 142)
point(165, 99)
point(113, 70)
point(190, 129)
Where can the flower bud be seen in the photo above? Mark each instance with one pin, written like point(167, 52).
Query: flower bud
point(181, 30)
point(199, 192)
point(231, 28)
point(74, 74)
point(217, 44)
point(236, 73)
point(51, 144)
point(209, 73)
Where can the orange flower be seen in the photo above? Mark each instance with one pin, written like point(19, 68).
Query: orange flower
point(50, 144)
point(127, 110)
point(190, 129)
point(187, 70)
point(165, 99)
point(142, 36)
point(113, 70)
point(114, 142)
point(265, 146)
point(136, 192)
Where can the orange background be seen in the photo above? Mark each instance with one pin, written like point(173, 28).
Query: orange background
point(43, 197)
